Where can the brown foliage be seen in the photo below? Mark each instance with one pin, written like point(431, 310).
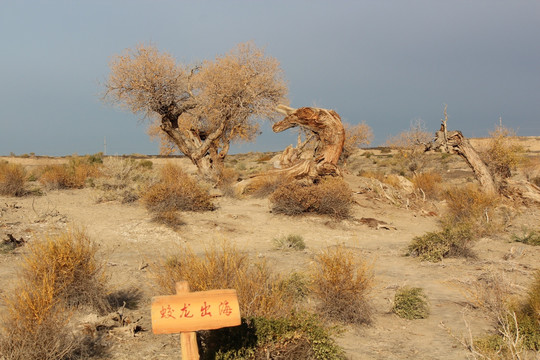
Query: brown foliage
point(124, 179)
point(201, 109)
point(503, 152)
point(260, 293)
point(12, 179)
point(331, 196)
point(70, 260)
point(411, 139)
point(429, 183)
point(265, 185)
point(176, 191)
point(71, 176)
point(58, 273)
point(341, 282)
point(472, 206)
point(356, 136)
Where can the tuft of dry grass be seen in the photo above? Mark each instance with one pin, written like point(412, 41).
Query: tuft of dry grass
point(175, 191)
point(503, 152)
point(264, 186)
point(12, 179)
point(69, 258)
point(294, 242)
point(341, 282)
point(124, 180)
point(388, 179)
point(57, 274)
point(331, 196)
point(227, 178)
point(470, 205)
point(260, 293)
point(429, 183)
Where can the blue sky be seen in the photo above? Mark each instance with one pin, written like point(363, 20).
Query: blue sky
point(386, 63)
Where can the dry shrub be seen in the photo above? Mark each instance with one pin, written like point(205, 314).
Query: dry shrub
point(503, 152)
point(331, 196)
point(12, 179)
point(124, 180)
point(55, 177)
point(534, 296)
point(355, 136)
point(491, 292)
point(264, 186)
point(175, 191)
point(528, 316)
point(517, 323)
point(58, 273)
point(341, 282)
point(70, 260)
point(429, 183)
point(388, 179)
point(270, 327)
point(260, 293)
point(227, 178)
point(411, 139)
point(470, 205)
point(34, 326)
point(73, 175)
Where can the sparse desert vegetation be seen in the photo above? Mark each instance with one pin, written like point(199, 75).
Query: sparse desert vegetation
point(314, 264)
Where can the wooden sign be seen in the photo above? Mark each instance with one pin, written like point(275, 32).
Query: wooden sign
point(192, 311)
point(187, 312)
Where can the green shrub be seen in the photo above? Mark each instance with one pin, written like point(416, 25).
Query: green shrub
point(95, 159)
point(411, 303)
point(146, 164)
point(298, 336)
point(341, 282)
point(530, 237)
point(294, 242)
point(452, 241)
point(332, 196)
point(12, 179)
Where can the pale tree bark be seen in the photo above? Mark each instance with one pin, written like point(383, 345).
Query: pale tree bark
point(325, 128)
point(454, 142)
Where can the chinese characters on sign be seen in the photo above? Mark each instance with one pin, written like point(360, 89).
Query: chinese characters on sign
point(204, 310)
point(167, 311)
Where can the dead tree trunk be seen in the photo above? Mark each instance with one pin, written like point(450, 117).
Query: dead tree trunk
point(328, 132)
point(455, 142)
point(326, 127)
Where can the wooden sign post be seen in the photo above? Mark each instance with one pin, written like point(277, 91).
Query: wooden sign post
point(187, 312)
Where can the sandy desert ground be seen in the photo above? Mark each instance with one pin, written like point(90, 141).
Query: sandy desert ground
point(129, 241)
